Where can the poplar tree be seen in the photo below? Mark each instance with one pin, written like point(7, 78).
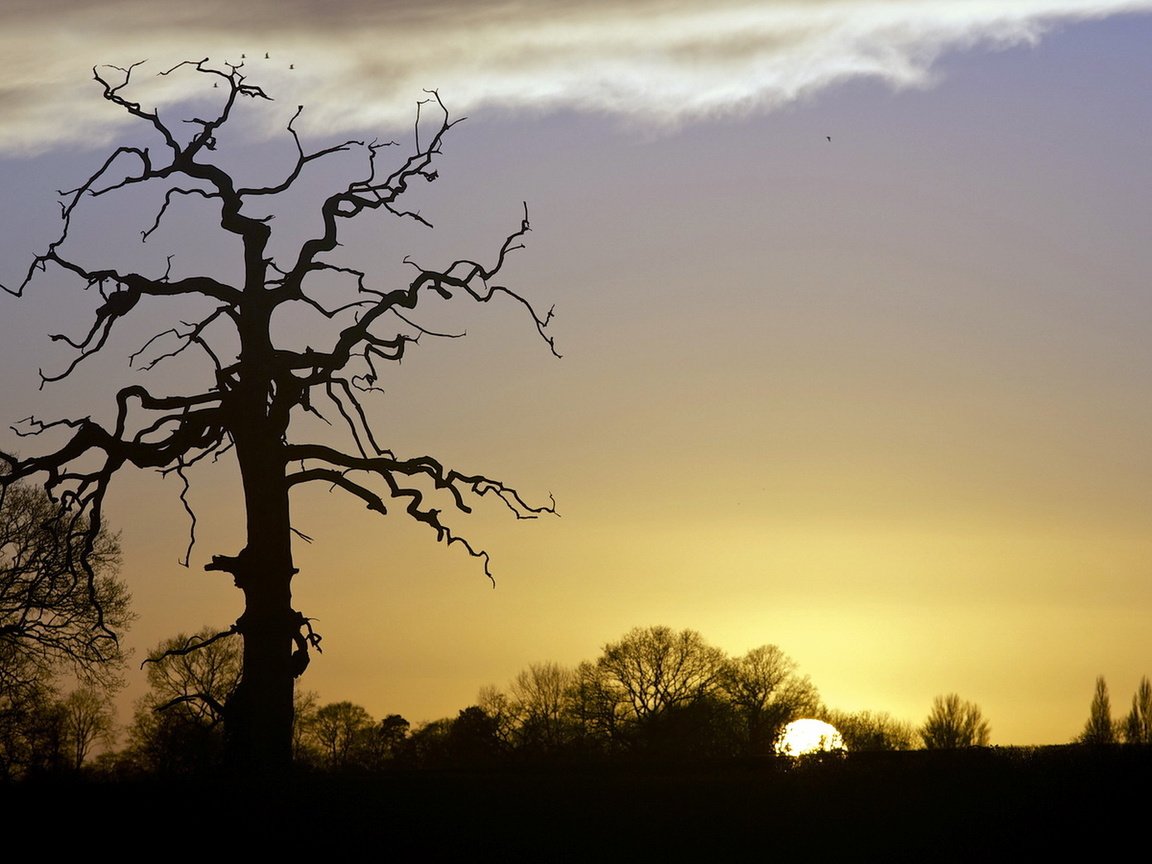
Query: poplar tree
point(1099, 729)
point(1138, 723)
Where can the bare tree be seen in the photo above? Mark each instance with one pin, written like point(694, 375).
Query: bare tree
point(596, 704)
point(768, 693)
point(500, 707)
point(337, 729)
point(31, 728)
point(657, 668)
point(88, 718)
point(59, 610)
point(177, 724)
point(954, 723)
point(383, 743)
point(867, 730)
point(200, 673)
point(304, 706)
point(540, 700)
point(260, 380)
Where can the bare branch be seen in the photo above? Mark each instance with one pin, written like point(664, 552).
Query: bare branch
point(193, 643)
point(191, 514)
point(167, 201)
point(301, 160)
point(192, 337)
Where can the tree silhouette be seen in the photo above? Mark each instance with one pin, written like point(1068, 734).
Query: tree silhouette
point(656, 668)
point(337, 729)
point(198, 673)
point(473, 738)
point(540, 703)
point(1099, 729)
point(61, 603)
point(954, 723)
point(597, 705)
point(88, 718)
point(867, 730)
point(177, 724)
point(768, 693)
point(1138, 723)
point(261, 380)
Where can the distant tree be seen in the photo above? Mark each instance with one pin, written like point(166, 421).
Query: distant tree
point(1100, 728)
point(375, 747)
point(31, 731)
point(389, 739)
point(657, 668)
point(498, 706)
point(864, 731)
point(706, 727)
point(540, 701)
point(473, 739)
point(62, 606)
point(427, 746)
point(1138, 723)
point(394, 730)
point(304, 706)
point(338, 729)
point(198, 673)
point(597, 707)
point(954, 723)
point(178, 723)
point(59, 615)
point(767, 692)
point(88, 718)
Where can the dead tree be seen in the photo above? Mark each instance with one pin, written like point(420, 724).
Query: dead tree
point(259, 387)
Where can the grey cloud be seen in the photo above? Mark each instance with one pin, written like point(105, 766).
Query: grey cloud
point(362, 64)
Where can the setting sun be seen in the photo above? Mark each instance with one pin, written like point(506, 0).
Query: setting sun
point(809, 736)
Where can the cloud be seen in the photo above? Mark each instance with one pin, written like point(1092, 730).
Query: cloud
point(361, 64)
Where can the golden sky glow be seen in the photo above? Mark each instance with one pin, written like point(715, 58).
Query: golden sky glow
point(881, 400)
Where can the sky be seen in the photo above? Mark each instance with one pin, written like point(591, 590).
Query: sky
point(853, 305)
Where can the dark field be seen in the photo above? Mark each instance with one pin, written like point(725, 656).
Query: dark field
point(957, 805)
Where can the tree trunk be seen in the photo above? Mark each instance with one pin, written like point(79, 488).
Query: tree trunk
point(258, 720)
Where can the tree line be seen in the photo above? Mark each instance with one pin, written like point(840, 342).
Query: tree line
point(654, 693)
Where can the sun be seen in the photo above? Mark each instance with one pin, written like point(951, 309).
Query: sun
point(809, 736)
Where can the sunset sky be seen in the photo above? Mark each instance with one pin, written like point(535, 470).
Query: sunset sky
point(882, 400)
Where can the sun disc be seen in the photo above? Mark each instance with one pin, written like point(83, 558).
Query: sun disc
point(809, 736)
